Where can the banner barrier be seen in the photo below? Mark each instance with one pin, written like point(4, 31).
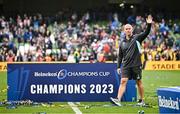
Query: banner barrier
point(56, 82)
point(169, 100)
point(162, 65)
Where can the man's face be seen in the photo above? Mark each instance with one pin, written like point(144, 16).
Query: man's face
point(128, 29)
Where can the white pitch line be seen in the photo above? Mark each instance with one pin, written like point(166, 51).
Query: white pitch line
point(75, 108)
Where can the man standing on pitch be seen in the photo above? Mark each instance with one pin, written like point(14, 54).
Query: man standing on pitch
point(130, 57)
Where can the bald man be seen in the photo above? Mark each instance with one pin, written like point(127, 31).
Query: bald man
point(130, 57)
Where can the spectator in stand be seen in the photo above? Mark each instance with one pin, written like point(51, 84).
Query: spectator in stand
point(101, 57)
point(71, 58)
point(178, 55)
point(157, 56)
point(10, 57)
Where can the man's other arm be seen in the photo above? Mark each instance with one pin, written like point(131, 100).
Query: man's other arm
point(120, 56)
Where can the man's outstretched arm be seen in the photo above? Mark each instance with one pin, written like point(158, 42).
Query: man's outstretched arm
point(143, 35)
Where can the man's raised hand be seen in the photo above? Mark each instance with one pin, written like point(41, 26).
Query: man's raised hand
point(149, 19)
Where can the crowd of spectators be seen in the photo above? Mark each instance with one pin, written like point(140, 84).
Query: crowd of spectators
point(37, 38)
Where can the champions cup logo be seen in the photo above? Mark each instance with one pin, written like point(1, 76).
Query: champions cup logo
point(168, 103)
point(62, 74)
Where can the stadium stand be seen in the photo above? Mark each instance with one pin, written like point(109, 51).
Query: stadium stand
point(82, 38)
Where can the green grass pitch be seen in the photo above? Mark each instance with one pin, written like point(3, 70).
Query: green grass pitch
point(151, 80)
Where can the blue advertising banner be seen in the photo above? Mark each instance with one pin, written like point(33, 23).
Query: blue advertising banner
point(169, 100)
point(56, 82)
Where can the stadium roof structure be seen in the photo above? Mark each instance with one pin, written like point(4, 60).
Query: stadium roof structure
point(53, 6)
